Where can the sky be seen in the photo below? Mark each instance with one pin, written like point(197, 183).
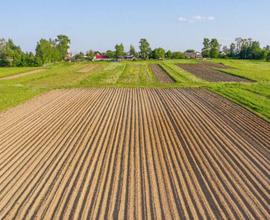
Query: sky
point(99, 25)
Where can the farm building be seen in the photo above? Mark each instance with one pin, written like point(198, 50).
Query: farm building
point(128, 57)
point(100, 57)
point(193, 55)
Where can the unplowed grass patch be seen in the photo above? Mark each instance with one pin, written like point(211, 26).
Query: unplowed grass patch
point(18, 75)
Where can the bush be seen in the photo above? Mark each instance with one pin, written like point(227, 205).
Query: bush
point(178, 55)
point(268, 57)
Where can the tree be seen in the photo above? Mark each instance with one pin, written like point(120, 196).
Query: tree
point(50, 51)
point(206, 48)
point(79, 57)
point(267, 52)
point(145, 49)
point(268, 57)
point(255, 51)
point(225, 52)
point(110, 53)
point(132, 51)
point(119, 50)
point(168, 54)
point(62, 44)
point(90, 54)
point(214, 48)
point(178, 55)
point(10, 54)
point(232, 52)
point(159, 53)
point(44, 51)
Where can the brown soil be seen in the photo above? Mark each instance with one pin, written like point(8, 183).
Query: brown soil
point(160, 74)
point(133, 154)
point(22, 74)
point(209, 72)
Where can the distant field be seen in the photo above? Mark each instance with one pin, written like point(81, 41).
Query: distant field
point(18, 90)
point(10, 71)
point(256, 70)
point(254, 96)
point(136, 74)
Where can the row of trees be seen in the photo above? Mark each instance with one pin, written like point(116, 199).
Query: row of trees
point(240, 49)
point(56, 50)
point(145, 52)
point(47, 51)
point(12, 55)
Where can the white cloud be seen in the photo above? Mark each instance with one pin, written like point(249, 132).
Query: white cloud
point(197, 18)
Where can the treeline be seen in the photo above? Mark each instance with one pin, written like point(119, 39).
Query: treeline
point(145, 52)
point(47, 51)
point(56, 50)
point(240, 49)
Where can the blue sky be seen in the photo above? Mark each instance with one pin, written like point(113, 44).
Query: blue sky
point(99, 25)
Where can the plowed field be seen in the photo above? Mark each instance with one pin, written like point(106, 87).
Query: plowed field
point(209, 72)
point(133, 154)
point(160, 74)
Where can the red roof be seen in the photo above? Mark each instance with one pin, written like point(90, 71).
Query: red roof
point(101, 57)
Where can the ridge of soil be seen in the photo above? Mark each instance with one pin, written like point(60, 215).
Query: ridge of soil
point(133, 154)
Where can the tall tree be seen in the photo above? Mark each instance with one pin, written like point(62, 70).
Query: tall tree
point(63, 45)
point(132, 51)
point(145, 49)
point(119, 50)
point(215, 47)
point(232, 52)
point(168, 54)
point(10, 54)
point(206, 48)
point(268, 57)
point(44, 51)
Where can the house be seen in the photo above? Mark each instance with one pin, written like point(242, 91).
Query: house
point(68, 57)
point(100, 57)
point(128, 57)
point(193, 55)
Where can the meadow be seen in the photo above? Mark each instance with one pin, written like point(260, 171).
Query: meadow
point(254, 96)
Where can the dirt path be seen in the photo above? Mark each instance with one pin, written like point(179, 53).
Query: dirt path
point(208, 71)
point(22, 74)
point(132, 154)
point(88, 68)
point(160, 74)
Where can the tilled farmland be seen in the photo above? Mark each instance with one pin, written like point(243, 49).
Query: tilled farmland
point(133, 154)
point(209, 72)
point(160, 74)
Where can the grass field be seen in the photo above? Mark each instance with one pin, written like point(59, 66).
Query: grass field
point(9, 71)
point(254, 96)
point(256, 70)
